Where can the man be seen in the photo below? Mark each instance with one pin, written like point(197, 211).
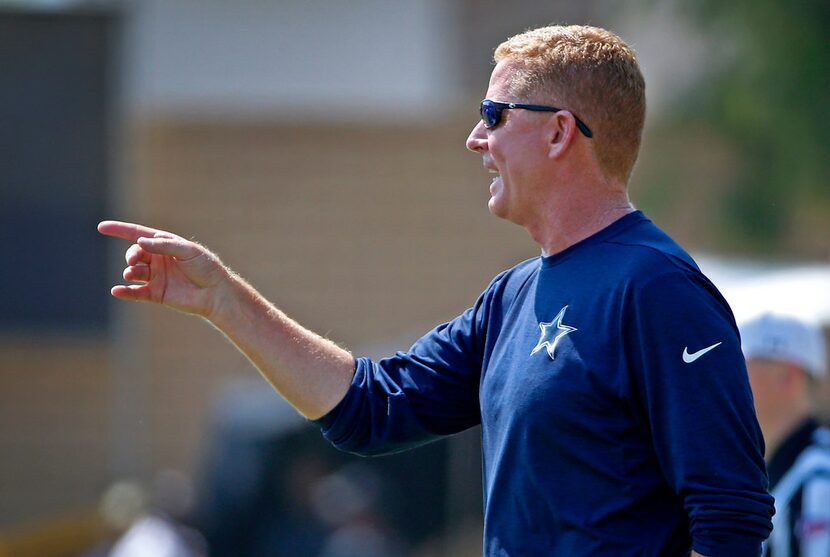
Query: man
point(606, 374)
point(784, 357)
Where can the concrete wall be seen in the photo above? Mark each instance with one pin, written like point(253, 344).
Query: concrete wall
point(299, 60)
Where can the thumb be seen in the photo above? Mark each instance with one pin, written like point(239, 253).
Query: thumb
point(179, 248)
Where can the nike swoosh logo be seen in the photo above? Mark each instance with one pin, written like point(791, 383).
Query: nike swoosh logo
point(689, 358)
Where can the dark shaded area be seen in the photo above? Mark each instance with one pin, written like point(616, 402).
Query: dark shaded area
point(261, 494)
point(55, 109)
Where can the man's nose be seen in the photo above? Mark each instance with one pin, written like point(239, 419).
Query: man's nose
point(477, 141)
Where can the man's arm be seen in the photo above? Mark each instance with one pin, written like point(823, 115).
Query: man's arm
point(312, 373)
point(699, 411)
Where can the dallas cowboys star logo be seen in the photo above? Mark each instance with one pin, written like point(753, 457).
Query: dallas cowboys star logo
point(552, 333)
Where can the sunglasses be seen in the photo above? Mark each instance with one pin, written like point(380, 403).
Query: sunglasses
point(491, 113)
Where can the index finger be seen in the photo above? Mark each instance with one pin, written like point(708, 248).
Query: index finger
point(129, 231)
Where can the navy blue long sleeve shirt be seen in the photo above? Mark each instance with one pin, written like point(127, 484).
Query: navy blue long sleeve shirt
point(616, 413)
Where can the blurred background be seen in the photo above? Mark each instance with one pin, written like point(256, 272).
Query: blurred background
point(318, 147)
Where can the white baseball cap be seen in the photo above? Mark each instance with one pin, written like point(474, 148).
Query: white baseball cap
point(785, 338)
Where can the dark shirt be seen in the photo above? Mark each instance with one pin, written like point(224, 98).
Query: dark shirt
point(616, 413)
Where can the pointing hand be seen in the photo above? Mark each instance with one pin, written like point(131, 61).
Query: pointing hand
point(169, 269)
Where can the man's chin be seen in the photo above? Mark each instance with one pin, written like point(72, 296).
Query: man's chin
point(496, 209)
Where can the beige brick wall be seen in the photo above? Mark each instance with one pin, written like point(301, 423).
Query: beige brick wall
point(54, 396)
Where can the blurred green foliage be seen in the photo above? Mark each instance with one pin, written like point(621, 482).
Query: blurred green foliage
point(767, 95)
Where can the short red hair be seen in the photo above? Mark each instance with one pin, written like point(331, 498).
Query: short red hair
point(594, 74)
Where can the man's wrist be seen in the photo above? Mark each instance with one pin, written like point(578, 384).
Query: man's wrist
point(226, 299)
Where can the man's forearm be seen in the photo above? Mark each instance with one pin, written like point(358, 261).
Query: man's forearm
point(309, 371)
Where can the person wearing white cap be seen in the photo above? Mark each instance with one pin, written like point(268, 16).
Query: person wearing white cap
point(785, 356)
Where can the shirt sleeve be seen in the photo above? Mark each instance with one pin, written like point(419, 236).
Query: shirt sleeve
point(696, 401)
point(417, 396)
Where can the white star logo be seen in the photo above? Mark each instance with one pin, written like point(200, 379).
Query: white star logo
point(552, 333)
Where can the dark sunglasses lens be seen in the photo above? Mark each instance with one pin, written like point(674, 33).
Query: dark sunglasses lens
point(490, 114)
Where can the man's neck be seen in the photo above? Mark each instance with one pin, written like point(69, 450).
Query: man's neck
point(562, 228)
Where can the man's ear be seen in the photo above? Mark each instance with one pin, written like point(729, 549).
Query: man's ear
point(561, 133)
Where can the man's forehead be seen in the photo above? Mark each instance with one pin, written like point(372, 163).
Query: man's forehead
point(502, 76)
